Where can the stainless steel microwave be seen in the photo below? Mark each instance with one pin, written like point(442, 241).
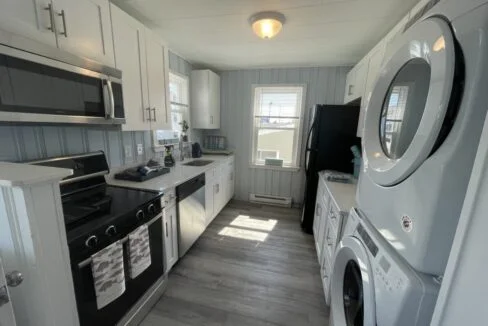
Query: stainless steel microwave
point(57, 88)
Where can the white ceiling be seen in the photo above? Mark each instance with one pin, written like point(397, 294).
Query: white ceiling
point(216, 33)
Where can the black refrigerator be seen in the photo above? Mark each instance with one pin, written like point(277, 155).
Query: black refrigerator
point(329, 141)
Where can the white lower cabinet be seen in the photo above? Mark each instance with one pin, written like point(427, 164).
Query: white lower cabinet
point(170, 229)
point(219, 188)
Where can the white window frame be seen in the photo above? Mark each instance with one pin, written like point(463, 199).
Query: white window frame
point(297, 157)
point(181, 107)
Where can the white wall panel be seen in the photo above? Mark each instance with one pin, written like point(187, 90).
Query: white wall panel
point(325, 85)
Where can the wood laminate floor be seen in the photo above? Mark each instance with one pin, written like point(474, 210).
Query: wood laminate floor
point(252, 266)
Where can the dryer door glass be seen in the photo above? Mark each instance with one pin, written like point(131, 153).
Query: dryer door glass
point(353, 295)
point(403, 107)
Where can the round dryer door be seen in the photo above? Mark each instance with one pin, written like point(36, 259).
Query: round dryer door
point(352, 288)
point(409, 103)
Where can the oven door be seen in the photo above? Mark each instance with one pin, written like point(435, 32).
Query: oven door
point(135, 288)
point(34, 88)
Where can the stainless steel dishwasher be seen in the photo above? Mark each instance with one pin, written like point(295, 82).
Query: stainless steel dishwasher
point(191, 212)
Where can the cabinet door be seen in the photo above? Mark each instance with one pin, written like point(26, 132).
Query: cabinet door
point(209, 196)
point(84, 28)
point(158, 82)
point(29, 18)
point(317, 221)
point(219, 195)
point(375, 60)
point(170, 236)
point(130, 57)
point(200, 115)
point(230, 185)
point(214, 99)
point(360, 78)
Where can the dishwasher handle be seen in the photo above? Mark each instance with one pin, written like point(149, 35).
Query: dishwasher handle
point(189, 187)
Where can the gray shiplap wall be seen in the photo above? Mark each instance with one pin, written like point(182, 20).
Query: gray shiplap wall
point(21, 143)
point(325, 85)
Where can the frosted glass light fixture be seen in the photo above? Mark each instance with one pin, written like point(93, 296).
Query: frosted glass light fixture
point(267, 24)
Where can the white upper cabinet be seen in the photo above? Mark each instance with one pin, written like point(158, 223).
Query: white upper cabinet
point(130, 57)
point(375, 60)
point(29, 18)
point(83, 28)
point(158, 81)
point(205, 99)
point(355, 81)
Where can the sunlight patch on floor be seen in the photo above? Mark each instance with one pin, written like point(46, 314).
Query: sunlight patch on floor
point(243, 234)
point(252, 223)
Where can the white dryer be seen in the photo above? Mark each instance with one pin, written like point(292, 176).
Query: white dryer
point(422, 129)
point(372, 285)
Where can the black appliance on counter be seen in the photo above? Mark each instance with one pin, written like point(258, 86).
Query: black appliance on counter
point(196, 150)
point(329, 141)
point(97, 215)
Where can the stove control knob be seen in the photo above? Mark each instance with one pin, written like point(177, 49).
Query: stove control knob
point(151, 209)
point(111, 231)
point(140, 214)
point(91, 242)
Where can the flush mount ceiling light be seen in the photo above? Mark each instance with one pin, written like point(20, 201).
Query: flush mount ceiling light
point(267, 24)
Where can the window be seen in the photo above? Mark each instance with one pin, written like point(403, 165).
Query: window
point(179, 94)
point(277, 122)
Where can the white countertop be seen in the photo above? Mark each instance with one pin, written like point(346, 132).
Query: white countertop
point(21, 174)
point(179, 174)
point(344, 194)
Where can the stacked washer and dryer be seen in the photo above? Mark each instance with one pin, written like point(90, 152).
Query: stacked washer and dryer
point(422, 129)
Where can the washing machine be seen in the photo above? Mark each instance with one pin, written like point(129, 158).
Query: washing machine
point(422, 128)
point(372, 285)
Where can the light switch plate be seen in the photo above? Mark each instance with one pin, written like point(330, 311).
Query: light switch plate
point(140, 149)
point(128, 151)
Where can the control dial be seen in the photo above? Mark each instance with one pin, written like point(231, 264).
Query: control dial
point(140, 214)
point(151, 209)
point(91, 241)
point(111, 231)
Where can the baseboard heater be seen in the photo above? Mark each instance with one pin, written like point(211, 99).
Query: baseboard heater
point(270, 200)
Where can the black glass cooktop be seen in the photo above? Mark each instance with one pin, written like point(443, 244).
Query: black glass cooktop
point(102, 203)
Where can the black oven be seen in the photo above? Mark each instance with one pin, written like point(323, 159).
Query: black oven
point(35, 88)
point(88, 313)
point(97, 215)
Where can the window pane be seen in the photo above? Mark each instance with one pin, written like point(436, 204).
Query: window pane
point(278, 101)
point(276, 123)
point(273, 143)
point(178, 89)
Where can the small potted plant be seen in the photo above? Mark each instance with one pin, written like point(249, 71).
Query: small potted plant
point(184, 130)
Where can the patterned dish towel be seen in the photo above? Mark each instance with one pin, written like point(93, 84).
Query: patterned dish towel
point(139, 251)
point(108, 274)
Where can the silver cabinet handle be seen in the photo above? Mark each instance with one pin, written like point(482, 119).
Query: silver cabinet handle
point(14, 278)
point(211, 119)
point(62, 14)
point(167, 229)
point(154, 112)
point(149, 112)
point(49, 8)
point(351, 87)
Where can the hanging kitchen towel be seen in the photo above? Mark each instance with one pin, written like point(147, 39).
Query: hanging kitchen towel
point(139, 251)
point(108, 274)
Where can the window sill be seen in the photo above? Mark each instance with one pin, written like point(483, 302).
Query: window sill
point(275, 168)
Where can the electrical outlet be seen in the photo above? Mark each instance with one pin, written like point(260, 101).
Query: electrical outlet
point(140, 149)
point(128, 151)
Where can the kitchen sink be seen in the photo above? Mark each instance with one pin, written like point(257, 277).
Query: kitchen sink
point(198, 163)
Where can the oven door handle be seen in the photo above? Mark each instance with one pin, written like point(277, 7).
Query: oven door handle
point(88, 261)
